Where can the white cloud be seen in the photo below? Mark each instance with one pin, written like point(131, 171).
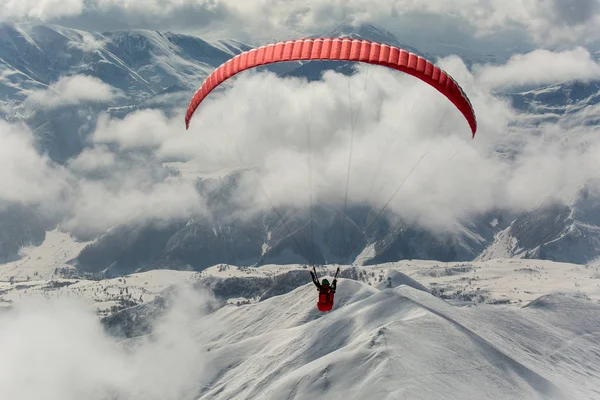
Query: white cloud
point(42, 9)
point(541, 67)
point(58, 350)
point(96, 190)
point(545, 21)
point(142, 129)
point(25, 176)
point(115, 188)
point(71, 90)
point(92, 160)
point(263, 121)
point(98, 206)
point(88, 43)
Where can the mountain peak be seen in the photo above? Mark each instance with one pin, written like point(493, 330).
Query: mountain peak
point(372, 33)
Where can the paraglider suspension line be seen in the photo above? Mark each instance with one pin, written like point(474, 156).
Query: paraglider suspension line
point(302, 250)
point(262, 188)
point(311, 207)
point(353, 121)
point(380, 213)
point(414, 167)
point(392, 197)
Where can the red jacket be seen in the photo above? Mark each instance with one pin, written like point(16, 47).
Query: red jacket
point(326, 294)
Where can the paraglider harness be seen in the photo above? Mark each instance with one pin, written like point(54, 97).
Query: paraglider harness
point(326, 292)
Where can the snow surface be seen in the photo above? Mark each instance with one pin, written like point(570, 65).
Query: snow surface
point(401, 343)
point(105, 296)
point(498, 281)
point(41, 262)
point(389, 336)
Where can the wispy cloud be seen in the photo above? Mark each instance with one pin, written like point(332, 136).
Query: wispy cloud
point(96, 207)
point(69, 355)
point(71, 90)
point(96, 190)
point(548, 22)
point(541, 67)
point(25, 176)
point(143, 129)
point(88, 43)
point(41, 10)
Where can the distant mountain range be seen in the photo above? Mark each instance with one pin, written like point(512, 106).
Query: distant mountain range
point(161, 70)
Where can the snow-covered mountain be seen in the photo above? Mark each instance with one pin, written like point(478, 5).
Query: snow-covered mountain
point(527, 329)
point(556, 232)
point(161, 70)
point(143, 65)
point(265, 240)
point(398, 342)
point(551, 102)
point(246, 333)
point(140, 63)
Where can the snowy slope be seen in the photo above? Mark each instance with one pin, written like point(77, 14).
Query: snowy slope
point(43, 262)
point(390, 335)
point(139, 62)
point(104, 296)
point(397, 342)
point(557, 232)
point(400, 343)
point(558, 100)
point(499, 281)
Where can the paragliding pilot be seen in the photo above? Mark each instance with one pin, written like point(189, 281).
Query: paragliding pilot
point(326, 291)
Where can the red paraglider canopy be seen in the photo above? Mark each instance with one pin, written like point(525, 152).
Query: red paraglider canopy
point(339, 49)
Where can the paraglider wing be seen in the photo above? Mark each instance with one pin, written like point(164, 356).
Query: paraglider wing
point(338, 49)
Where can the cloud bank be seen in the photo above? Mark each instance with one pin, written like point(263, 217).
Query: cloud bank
point(27, 177)
point(94, 191)
point(549, 22)
point(70, 90)
point(355, 140)
point(541, 67)
point(57, 349)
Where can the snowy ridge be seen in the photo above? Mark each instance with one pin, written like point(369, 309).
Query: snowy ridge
point(551, 103)
point(498, 281)
point(394, 343)
point(104, 296)
point(139, 62)
point(387, 336)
